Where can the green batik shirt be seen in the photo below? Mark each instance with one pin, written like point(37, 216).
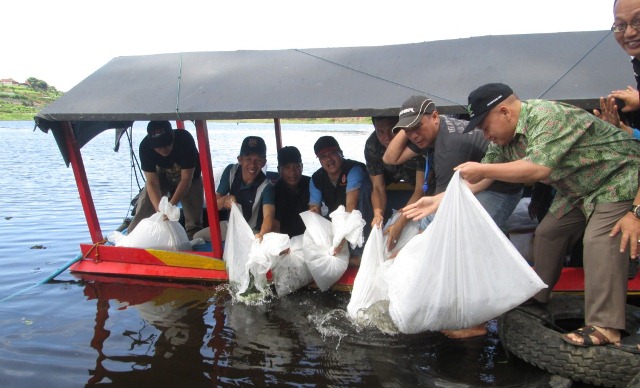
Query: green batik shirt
point(591, 161)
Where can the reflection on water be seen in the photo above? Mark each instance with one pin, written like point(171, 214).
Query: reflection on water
point(198, 336)
point(83, 331)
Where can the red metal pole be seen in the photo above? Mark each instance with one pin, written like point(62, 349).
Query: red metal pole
point(209, 187)
point(179, 124)
point(75, 157)
point(276, 123)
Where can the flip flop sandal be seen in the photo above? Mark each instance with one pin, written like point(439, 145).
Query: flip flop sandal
point(586, 333)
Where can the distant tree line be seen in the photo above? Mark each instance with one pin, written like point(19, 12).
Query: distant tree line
point(40, 85)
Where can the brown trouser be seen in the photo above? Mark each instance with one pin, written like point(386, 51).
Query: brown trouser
point(605, 267)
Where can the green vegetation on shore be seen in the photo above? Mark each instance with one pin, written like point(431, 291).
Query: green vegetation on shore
point(22, 102)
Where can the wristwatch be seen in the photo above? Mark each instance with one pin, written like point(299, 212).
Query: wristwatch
point(635, 209)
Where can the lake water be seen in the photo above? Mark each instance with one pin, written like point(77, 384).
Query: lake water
point(75, 331)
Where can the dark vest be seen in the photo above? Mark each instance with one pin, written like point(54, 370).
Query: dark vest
point(334, 196)
point(248, 198)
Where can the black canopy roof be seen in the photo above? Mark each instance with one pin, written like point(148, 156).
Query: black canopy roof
point(575, 67)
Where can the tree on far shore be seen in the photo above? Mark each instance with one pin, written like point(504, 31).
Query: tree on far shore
point(37, 84)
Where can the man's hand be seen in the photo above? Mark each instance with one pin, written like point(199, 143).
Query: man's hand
point(338, 249)
point(629, 225)
point(422, 207)
point(608, 111)
point(229, 200)
point(629, 96)
point(377, 221)
point(393, 233)
point(471, 171)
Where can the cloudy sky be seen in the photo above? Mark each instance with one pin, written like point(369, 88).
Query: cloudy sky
point(64, 41)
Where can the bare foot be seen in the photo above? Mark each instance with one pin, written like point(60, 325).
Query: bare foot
point(473, 331)
point(354, 261)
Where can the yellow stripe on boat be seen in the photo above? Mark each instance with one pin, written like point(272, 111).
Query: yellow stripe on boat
point(188, 260)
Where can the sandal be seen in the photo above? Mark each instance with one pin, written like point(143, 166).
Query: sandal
point(587, 333)
point(630, 344)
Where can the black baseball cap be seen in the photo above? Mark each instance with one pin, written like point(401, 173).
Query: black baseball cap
point(253, 145)
point(412, 110)
point(482, 100)
point(160, 133)
point(326, 144)
point(289, 154)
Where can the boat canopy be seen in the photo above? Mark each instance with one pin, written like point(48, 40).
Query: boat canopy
point(574, 67)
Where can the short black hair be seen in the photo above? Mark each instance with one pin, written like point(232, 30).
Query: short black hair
point(375, 119)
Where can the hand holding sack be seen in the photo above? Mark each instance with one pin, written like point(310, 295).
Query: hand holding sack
point(460, 272)
point(290, 272)
point(159, 231)
point(325, 268)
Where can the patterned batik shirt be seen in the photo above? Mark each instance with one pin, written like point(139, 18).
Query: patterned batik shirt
point(591, 161)
point(406, 172)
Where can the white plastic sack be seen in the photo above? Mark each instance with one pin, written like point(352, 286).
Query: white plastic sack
point(237, 245)
point(325, 268)
point(262, 257)
point(155, 232)
point(290, 272)
point(460, 272)
point(369, 286)
point(348, 226)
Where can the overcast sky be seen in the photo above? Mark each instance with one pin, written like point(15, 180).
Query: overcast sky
point(64, 41)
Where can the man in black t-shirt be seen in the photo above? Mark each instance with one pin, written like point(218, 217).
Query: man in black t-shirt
point(171, 166)
point(292, 192)
point(410, 173)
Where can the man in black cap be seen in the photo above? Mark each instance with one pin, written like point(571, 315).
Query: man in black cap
point(171, 165)
point(292, 192)
point(422, 130)
point(594, 168)
point(246, 184)
point(339, 181)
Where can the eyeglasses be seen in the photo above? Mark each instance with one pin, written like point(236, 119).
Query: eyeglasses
point(622, 27)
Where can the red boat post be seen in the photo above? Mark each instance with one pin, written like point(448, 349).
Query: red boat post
point(209, 187)
point(75, 157)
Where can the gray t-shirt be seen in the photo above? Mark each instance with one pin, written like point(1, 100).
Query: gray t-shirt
point(452, 147)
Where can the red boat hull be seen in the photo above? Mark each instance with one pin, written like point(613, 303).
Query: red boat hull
point(202, 266)
point(157, 264)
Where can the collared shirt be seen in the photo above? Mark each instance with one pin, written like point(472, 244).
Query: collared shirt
point(406, 172)
point(591, 161)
